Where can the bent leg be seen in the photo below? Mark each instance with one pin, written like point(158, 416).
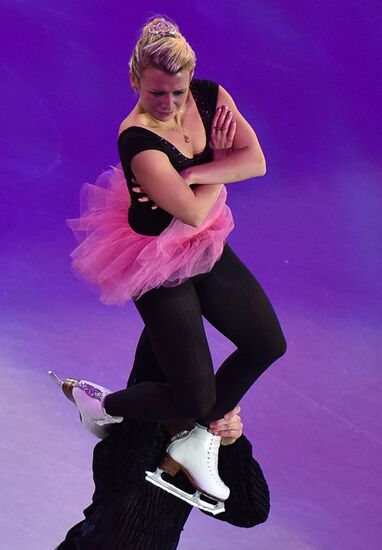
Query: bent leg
point(173, 320)
point(233, 302)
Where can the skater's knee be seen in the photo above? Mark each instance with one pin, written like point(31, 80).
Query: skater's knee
point(202, 410)
point(266, 351)
point(196, 396)
point(198, 406)
point(273, 350)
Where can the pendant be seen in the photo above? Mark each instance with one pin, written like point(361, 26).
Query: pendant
point(186, 138)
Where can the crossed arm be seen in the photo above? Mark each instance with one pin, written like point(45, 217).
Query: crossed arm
point(170, 190)
point(230, 132)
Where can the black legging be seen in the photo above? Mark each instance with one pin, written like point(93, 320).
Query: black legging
point(231, 299)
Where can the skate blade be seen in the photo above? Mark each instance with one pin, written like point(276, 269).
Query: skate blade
point(156, 479)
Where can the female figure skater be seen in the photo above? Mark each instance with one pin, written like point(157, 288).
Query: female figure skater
point(181, 143)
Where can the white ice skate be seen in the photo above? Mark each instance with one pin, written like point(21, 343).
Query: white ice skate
point(89, 398)
point(196, 453)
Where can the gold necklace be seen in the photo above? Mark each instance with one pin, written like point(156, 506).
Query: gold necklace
point(185, 137)
point(181, 132)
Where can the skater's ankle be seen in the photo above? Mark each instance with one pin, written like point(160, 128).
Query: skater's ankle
point(104, 405)
point(174, 427)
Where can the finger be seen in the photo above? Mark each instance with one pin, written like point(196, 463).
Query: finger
point(143, 199)
point(217, 426)
point(229, 423)
point(217, 113)
point(222, 137)
point(227, 416)
point(219, 117)
point(234, 411)
point(234, 423)
point(226, 121)
point(216, 118)
point(222, 116)
point(137, 189)
point(236, 432)
point(231, 132)
point(229, 433)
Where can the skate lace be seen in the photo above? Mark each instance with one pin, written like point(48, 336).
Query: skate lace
point(212, 459)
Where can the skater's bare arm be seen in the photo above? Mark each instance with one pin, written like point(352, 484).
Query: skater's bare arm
point(230, 428)
point(246, 159)
point(168, 190)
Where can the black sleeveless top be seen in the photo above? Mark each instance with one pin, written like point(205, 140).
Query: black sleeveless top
point(135, 139)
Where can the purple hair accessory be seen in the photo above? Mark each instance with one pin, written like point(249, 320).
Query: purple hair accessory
point(163, 28)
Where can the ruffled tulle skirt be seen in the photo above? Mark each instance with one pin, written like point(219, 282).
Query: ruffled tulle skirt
point(125, 264)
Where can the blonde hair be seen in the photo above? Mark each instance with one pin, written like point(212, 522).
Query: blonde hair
point(161, 45)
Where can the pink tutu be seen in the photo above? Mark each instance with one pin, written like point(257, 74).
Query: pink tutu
point(126, 264)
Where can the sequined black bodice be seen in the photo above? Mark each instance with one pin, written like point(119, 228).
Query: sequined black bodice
point(136, 139)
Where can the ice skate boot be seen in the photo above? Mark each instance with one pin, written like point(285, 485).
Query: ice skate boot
point(195, 453)
point(89, 400)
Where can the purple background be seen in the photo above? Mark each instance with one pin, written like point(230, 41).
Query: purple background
point(307, 76)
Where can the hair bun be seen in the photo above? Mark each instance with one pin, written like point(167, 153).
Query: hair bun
point(160, 27)
point(161, 45)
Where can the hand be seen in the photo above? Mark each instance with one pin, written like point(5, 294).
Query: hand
point(187, 176)
point(230, 428)
point(223, 130)
point(144, 198)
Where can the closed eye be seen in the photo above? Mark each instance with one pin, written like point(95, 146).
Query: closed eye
point(177, 93)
